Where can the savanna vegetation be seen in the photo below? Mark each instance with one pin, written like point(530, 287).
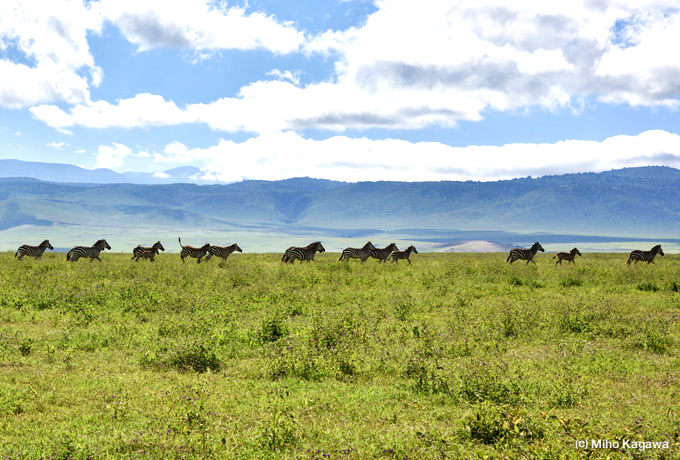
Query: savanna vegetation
point(455, 356)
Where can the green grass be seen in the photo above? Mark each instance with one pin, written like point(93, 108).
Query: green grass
point(458, 355)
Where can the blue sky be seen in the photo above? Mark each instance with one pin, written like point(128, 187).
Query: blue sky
point(342, 89)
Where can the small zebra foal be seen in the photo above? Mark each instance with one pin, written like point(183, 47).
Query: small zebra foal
point(357, 253)
point(568, 256)
point(196, 253)
point(400, 255)
point(83, 251)
point(525, 254)
point(307, 253)
point(141, 252)
point(644, 256)
point(33, 251)
point(222, 251)
point(383, 253)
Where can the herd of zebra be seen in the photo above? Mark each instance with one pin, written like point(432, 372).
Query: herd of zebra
point(306, 253)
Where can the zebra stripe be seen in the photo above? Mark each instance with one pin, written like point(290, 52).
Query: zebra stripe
point(33, 251)
point(357, 253)
point(568, 256)
point(525, 254)
point(196, 253)
point(307, 253)
point(146, 253)
point(83, 251)
point(400, 255)
point(384, 253)
point(644, 256)
point(222, 251)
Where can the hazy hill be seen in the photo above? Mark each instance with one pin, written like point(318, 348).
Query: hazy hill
point(57, 172)
point(628, 203)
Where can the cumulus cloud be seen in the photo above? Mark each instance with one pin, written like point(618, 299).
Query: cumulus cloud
point(112, 156)
point(407, 67)
point(288, 154)
point(54, 60)
point(199, 25)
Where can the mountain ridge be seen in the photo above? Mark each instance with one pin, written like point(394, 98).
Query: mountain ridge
point(627, 203)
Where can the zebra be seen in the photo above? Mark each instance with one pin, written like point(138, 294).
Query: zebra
point(307, 253)
point(384, 253)
point(525, 254)
point(568, 256)
point(644, 256)
point(196, 253)
point(399, 255)
point(147, 253)
point(222, 251)
point(357, 253)
point(83, 251)
point(33, 251)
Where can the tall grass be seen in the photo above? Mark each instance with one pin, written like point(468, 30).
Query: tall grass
point(458, 355)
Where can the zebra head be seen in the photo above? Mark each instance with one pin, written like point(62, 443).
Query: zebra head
point(657, 250)
point(157, 245)
point(412, 249)
point(317, 246)
point(392, 247)
point(537, 247)
point(237, 248)
point(369, 246)
point(46, 245)
point(207, 249)
point(101, 245)
point(575, 252)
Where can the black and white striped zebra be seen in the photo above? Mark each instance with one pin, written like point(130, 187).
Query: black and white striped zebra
point(33, 251)
point(568, 256)
point(141, 252)
point(84, 251)
point(196, 253)
point(383, 253)
point(222, 251)
point(307, 253)
point(401, 255)
point(525, 254)
point(644, 256)
point(357, 253)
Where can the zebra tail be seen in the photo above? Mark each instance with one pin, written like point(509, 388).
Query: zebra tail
point(68, 256)
point(16, 253)
point(180, 241)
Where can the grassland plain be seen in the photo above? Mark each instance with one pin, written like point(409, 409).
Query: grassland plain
point(456, 356)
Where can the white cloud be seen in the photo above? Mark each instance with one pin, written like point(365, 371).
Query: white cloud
point(198, 25)
point(408, 66)
point(288, 154)
point(51, 39)
point(57, 145)
point(112, 156)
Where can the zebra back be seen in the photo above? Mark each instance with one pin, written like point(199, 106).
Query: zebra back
point(33, 251)
point(92, 252)
point(645, 256)
point(147, 252)
point(400, 255)
point(357, 253)
point(383, 253)
point(568, 256)
point(525, 254)
point(196, 253)
point(223, 251)
point(307, 253)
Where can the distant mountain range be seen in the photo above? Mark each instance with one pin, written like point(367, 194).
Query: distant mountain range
point(634, 203)
point(57, 172)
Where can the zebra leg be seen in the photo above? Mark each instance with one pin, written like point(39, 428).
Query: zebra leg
point(409, 261)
